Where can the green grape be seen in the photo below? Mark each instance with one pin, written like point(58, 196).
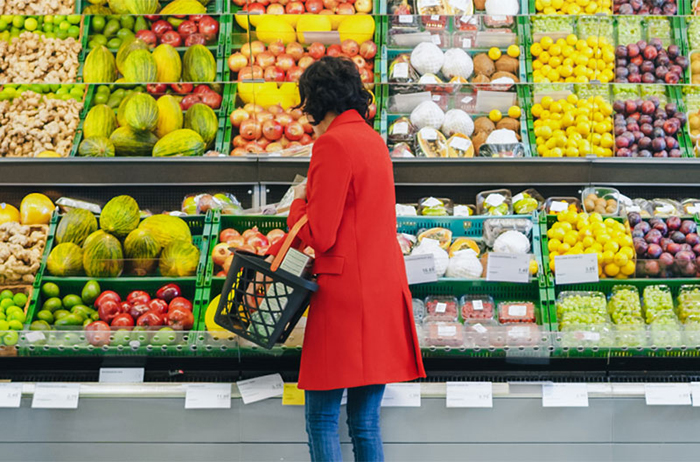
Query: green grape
point(666, 332)
point(689, 302)
point(624, 303)
point(630, 335)
point(657, 299)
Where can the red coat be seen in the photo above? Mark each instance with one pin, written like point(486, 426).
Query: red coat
point(360, 329)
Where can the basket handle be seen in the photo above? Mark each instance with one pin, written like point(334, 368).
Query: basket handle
point(288, 241)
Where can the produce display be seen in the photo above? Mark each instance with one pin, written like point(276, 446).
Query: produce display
point(573, 59)
point(34, 58)
point(298, 7)
point(58, 26)
point(59, 7)
point(13, 306)
point(644, 62)
point(666, 7)
point(250, 240)
point(647, 129)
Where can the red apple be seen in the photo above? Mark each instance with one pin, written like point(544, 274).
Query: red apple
point(182, 88)
point(314, 6)
point(345, 8)
point(107, 295)
point(125, 307)
point(195, 39)
point(171, 38)
point(305, 62)
point(250, 129)
point(219, 253)
point(152, 17)
point(212, 99)
point(137, 310)
point(180, 319)
point(180, 303)
point(150, 319)
point(294, 7)
point(197, 17)
point(350, 47)
point(317, 50)
point(238, 116)
point(160, 27)
point(187, 27)
point(108, 310)
point(294, 74)
point(208, 27)
point(156, 88)
point(294, 131)
point(257, 7)
point(123, 320)
point(334, 51)
point(158, 305)
point(202, 89)
point(147, 36)
point(368, 49)
point(274, 74)
point(228, 234)
point(97, 333)
point(190, 100)
point(138, 296)
point(272, 130)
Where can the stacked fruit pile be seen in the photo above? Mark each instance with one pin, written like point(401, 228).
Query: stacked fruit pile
point(645, 129)
point(12, 315)
point(644, 62)
point(251, 240)
point(60, 27)
point(299, 7)
point(573, 60)
point(135, 7)
point(162, 242)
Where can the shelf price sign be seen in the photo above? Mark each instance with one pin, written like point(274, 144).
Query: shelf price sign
point(260, 388)
point(56, 396)
point(402, 395)
point(208, 396)
point(508, 267)
point(10, 394)
point(576, 269)
point(667, 394)
point(469, 394)
point(564, 395)
point(420, 269)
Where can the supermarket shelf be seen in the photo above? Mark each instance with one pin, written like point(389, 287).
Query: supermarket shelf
point(676, 172)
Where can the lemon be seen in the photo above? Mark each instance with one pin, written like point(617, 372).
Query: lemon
point(553, 245)
point(495, 115)
point(608, 257)
point(48, 154)
point(514, 51)
point(546, 41)
point(571, 39)
point(628, 269)
point(612, 269)
point(494, 53)
point(514, 112)
point(536, 49)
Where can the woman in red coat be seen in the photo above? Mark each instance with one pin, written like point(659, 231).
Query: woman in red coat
point(360, 332)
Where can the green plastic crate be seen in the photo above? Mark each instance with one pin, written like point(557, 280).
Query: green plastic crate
point(74, 343)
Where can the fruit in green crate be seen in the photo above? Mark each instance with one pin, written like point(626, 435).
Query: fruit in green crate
point(179, 259)
point(198, 65)
point(183, 142)
point(183, 7)
point(169, 115)
point(141, 249)
point(141, 112)
point(91, 290)
point(94, 10)
point(126, 48)
point(120, 216)
point(573, 59)
point(102, 256)
point(142, 6)
point(100, 66)
point(100, 121)
point(118, 6)
point(97, 146)
point(121, 110)
point(202, 119)
point(127, 142)
point(167, 228)
point(168, 63)
point(76, 226)
point(140, 67)
point(65, 260)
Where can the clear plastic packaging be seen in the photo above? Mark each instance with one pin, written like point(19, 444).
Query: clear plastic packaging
point(418, 310)
point(66, 204)
point(581, 302)
point(497, 202)
point(587, 336)
point(477, 308)
point(691, 206)
point(526, 202)
point(601, 200)
point(443, 334)
point(641, 206)
point(664, 208)
point(435, 207)
point(555, 205)
point(441, 308)
point(631, 335)
point(494, 227)
point(501, 150)
point(226, 203)
point(689, 303)
point(401, 131)
point(624, 305)
point(516, 312)
point(657, 301)
point(522, 335)
point(442, 235)
point(406, 242)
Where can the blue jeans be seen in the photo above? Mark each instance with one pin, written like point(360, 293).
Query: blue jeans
point(323, 413)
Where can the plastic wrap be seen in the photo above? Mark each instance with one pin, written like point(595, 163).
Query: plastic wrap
point(516, 312)
point(441, 308)
point(494, 227)
point(624, 305)
point(689, 303)
point(502, 150)
point(418, 310)
point(528, 201)
point(445, 334)
point(601, 200)
point(657, 302)
point(477, 308)
point(434, 207)
point(66, 204)
point(196, 204)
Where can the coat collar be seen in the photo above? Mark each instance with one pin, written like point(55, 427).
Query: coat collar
point(347, 117)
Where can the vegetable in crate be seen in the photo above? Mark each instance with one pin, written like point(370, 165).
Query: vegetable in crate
point(464, 264)
point(179, 259)
point(120, 216)
point(65, 260)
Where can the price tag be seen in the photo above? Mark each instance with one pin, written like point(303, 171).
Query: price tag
point(56, 396)
point(693, 209)
point(401, 395)
point(558, 206)
point(695, 393)
point(478, 305)
point(405, 19)
point(518, 197)
point(436, 39)
point(10, 394)
point(447, 331)
point(667, 394)
point(431, 202)
point(470, 394)
point(494, 200)
point(460, 144)
point(260, 388)
point(121, 375)
point(400, 128)
point(591, 336)
point(666, 208)
point(479, 329)
point(292, 396)
point(441, 307)
point(208, 396)
point(634, 208)
point(466, 42)
point(429, 133)
point(435, 17)
point(517, 311)
point(400, 71)
point(461, 211)
point(420, 269)
point(576, 269)
point(459, 5)
point(35, 336)
point(508, 267)
point(564, 395)
point(467, 100)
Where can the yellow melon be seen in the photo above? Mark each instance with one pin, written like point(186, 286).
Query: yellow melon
point(272, 28)
point(359, 27)
point(312, 23)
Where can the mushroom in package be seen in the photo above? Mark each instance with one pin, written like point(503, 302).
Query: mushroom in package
point(494, 227)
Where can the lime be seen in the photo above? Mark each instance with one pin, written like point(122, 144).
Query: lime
point(74, 31)
point(74, 19)
point(13, 309)
point(71, 300)
point(3, 25)
point(11, 338)
point(7, 293)
point(60, 314)
point(45, 315)
point(48, 19)
point(98, 23)
point(2, 316)
point(20, 299)
point(17, 316)
point(64, 26)
point(50, 290)
point(53, 304)
point(58, 19)
point(18, 21)
point(4, 325)
point(31, 24)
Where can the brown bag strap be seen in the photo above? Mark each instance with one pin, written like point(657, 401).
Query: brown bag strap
point(289, 240)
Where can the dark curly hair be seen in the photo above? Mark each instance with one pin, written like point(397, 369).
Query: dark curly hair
point(332, 85)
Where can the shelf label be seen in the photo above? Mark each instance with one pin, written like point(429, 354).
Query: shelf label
point(576, 269)
point(405, 19)
point(401, 395)
point(470, 394)
point(208, 396)
point(667, 394)
point(292, 396)
point(121, 375)
point(10, 394)
point(508, 267)
point(260, 388)
point(695, 393)
point(564, 395)
point(558, 206)
point(420, 269)
point(56, 396)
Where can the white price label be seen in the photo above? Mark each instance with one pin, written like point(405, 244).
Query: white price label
point(466, 42)
point(479, 329)
point(405, 19)
point(435, 17)
point(634, 208)
point(666, 208)
point(518, 197)
point(564, 395)
point(56, 396)
point(427, 79)
point(478, 305)
point(121, 375)
point(402, 395)
point(447, 331)
point(459, 5)
point(517, 311)
point(400, 71)
point(461, 211)
point(208, 396)
point(459, 143)
point(400, 128)
point(667, 394)
point(591, 336)
point(508, 267)
point(431, 202)
point(494, 200)
point(260, 388)
point(695, 393)
point(430, 134)
point(558, 206)
point(420, 269)
point(436, 39)
point(693, 209)
point(10, 395)
point(467, 100)
point(35, 336)
point(441, 307)
point(469, 394)
point(576, 269)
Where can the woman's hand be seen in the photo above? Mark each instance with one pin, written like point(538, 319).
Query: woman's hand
point(300, 191)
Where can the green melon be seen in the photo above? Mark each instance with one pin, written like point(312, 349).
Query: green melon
point(198, 65)
point(167, 228)
point(130, 143)
point(96, 146)
point(65, 260)
point(179, 259)
point(100, 121)
point(141, 250)
point(103, 256)
point(140, 67)
point(120, 216)
point(141, 113)
point(183, 142)
point(76, 226)
point(202, 119)
point(100, 66)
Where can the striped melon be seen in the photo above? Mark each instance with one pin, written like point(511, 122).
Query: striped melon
point(103, 256)
point(167, 228)
point(120, 216)
point(141, 249)
point(75, 226)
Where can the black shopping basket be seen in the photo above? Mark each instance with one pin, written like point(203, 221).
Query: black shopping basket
point(261, 302)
